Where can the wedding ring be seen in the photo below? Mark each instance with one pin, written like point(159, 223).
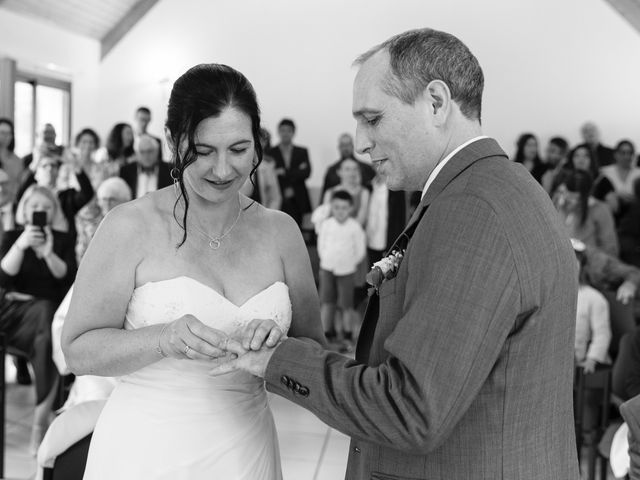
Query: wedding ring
point(186, 350)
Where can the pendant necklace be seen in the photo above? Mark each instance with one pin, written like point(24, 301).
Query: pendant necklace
point(215, 242)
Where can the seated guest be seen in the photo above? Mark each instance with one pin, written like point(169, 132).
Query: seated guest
point(262, 185)
point(345, 147)
point(292, 168)
point(527, 154)
point(586, 218)
point(386, 218)
point(607, 273)
point(580, 158)
point(71, 200)
point(351, 182)
point(45, 146)
point(629, 230)
point(601, 155)
point(110, 193)
point(622, 174)
point(36, 266)
point(593, 331)
point(147, 173)
point(557, 150)
point(12, 165)
point(119, 147)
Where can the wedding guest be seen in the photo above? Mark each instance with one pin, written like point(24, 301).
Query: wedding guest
point(71, 200)
point(36, 268)
point(385, 219)
point(331, 177)
point(580, 158)
point(622, 174)
point(46, 145)
point(141, 122)
point(262, 186)
point(341, 248)
point(351, 182)
point(527, 154)
point(601, 155)
point(593, 331)
point(586, 218)
point(293, 168)
point(13, 168)
point(629, 230)
point(557, 150)
point(147, 173)
point(110, 193)
point(119, 147)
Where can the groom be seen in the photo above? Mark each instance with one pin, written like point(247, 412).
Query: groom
point(464, 366)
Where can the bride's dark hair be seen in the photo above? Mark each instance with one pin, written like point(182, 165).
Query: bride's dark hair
point(201, 92)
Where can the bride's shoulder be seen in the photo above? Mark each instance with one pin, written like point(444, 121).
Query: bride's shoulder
point(137, 216)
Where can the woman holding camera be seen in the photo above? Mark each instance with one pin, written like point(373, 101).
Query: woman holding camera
point(36, 268)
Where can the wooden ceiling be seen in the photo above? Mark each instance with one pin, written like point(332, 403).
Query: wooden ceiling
point(104, 20)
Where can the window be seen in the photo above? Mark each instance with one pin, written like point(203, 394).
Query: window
point(40, 100)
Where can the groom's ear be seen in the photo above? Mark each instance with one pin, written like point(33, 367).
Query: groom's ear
point(439, 98)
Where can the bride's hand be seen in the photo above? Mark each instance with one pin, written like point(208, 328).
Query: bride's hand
point(261, 332)
point(189, 338)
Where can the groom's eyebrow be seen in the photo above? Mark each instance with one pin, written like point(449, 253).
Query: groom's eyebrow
point(365, 111)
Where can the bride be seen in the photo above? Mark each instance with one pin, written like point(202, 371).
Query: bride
point(165, 274)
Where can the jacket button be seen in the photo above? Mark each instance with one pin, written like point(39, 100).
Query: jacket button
point(284, 380)
point(304, 391)
point(291, 384)
point(356, 450)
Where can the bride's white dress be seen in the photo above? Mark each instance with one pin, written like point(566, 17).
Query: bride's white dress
point(172, 420)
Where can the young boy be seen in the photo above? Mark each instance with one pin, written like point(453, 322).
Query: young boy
point(341, 247)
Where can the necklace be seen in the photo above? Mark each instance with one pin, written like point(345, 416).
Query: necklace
point(215, 242)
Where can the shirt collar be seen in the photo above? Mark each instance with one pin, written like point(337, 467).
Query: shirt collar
point(446, 159)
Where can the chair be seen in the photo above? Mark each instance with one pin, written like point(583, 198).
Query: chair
point(621, 319)
point(590, 385)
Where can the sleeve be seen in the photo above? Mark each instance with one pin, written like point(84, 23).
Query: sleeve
point(80, 198)
point(606, 230)
point(600, 328)
point(302, 171)
point(8, 239)
point(65, 249)
point(322, 239)
point(438, 359)
point(617, 272)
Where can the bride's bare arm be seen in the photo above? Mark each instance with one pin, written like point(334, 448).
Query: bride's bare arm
point(299, 277)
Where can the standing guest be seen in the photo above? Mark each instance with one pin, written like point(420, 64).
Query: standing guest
point(586, 218)
point(341, 248)
point(345, 147)
point(262, 186)
point(464, 365)
point(629, 230)
point(147, 173)
point(557, 150)
point(601, 155)
point(71, 200)
point(351, 182)
point(45, 146)
point(386, 218)
point(622, 174)
point(293, 168)
point(36, 268)
point(527, 154)
point(141, 122)
point(110, 193)
point(119, 147)
point(13, 168)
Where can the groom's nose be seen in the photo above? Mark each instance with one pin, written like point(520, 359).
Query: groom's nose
point(364, 144)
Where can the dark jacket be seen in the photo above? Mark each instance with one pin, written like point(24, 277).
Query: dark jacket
point(294, 177)
point(129, 173)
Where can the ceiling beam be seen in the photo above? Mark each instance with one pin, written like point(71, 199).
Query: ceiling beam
point(132, 17)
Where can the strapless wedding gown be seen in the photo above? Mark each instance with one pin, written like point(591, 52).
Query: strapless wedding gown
point(172, 420)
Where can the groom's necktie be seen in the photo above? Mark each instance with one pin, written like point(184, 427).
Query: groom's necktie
point(368, 329)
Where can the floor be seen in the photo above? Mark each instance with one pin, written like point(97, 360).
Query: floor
point(309, 449)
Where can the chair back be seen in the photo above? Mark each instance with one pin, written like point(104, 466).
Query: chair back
point(621, 319)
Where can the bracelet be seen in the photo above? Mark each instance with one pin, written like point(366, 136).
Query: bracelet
point(159, 348)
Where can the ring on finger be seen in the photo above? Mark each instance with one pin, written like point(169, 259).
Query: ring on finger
point(187, 349)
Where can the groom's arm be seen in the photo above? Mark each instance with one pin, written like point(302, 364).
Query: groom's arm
point(462, 300)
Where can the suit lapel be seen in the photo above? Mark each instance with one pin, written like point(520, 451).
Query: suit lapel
point(462, 160)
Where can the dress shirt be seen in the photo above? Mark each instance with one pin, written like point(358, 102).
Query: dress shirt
point(378, 216)
point(341, 246)
point(446, 159)
point(147, 182)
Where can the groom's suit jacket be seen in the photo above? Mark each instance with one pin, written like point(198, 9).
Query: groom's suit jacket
point(464, 366)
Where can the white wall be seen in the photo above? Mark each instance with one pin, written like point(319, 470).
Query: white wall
point(549, 65)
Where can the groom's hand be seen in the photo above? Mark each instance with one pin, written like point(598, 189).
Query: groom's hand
point(253, 362)
point(261, 332)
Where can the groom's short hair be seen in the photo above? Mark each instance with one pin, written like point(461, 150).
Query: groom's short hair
point(420, 56)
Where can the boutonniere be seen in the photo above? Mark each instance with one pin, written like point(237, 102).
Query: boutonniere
point(385, 269)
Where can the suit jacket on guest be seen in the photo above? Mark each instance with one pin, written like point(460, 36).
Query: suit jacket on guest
point(129, 173)
point(464, 365)
point(294, 178)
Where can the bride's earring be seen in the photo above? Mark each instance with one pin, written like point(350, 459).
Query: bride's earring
point(174, 174)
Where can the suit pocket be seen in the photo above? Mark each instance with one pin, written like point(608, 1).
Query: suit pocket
point(388, 287)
